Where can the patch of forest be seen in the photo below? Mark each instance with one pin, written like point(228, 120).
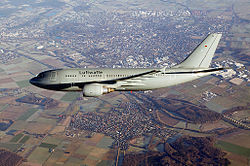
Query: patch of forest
point(180, 109)
point(190, 151)
point(230, 111)
point(43, 101)
point(8, 158)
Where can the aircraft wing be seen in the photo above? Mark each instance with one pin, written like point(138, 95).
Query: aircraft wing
point(133, 78)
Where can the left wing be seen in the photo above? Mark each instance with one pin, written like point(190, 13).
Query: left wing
point(133, 80)
point(136, 80)
point(137, 75)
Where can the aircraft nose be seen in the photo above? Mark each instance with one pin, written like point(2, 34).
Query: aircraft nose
point(34, 81)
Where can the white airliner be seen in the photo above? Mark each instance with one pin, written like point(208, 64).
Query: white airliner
point(97, 81)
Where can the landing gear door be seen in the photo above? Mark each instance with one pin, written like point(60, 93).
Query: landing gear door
point(53, 76)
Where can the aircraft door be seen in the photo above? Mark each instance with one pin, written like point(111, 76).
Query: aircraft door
point(53, 76)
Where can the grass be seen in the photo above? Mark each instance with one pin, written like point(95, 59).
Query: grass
point(10, 146)
point(181, 124)
point(73, 161)
point(39, 155)
point(84, 149)
point(46, 121)
point(70, 96)
point(23, 83)
point(105, 142)
point(52, 140)
point(4, 107)
point(55, 157)
point(233, 148)
point(105, 162)
point(46, 145)
point(24, 139)
point(16, 138)
point(19, 125)
point(27, 114)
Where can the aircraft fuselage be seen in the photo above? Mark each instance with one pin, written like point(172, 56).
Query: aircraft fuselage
point(75, 79)
point(98, 81)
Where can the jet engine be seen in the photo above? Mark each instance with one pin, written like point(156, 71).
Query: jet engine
point(93, 90)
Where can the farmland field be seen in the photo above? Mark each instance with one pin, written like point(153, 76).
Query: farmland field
point(27, 114)
point(16, 138)
point(233, 148)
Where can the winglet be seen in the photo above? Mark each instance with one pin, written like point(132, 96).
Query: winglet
point(202, 56)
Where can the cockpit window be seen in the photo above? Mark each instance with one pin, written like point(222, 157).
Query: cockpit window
point(41, 75)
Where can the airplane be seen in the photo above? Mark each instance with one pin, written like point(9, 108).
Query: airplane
point(95, 82)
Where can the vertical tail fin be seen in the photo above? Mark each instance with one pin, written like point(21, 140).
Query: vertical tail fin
point(202, 56)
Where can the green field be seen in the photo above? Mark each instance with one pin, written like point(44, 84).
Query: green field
point(27, 114)
point(70, 96)
point(24, 139)
point(73, 161)
point(52, 140)
point(105, 162)
point(84, 149)
point(19, 125)
point(105, 142)
point(46, 121)
point(55, 111)
point(23, 83)
point(55, 156)
point(194, 126)
point(39, 155)
point(3, 107)
point(10, 146)
point(46, 145)
point(181, 124)
point(233, 148)
point(16, 138)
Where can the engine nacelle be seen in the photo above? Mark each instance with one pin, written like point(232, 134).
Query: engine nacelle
point(93, 90)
